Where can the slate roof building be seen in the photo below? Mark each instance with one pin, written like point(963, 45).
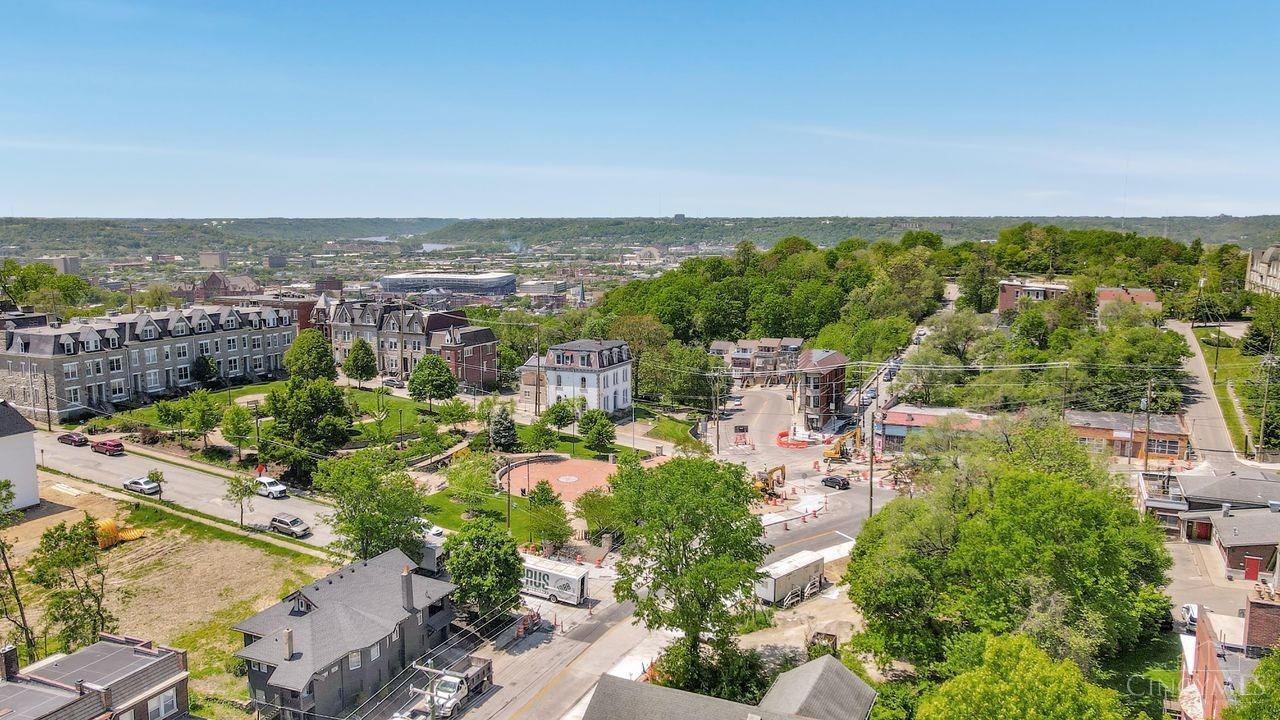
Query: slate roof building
point(343, 637)
point(599, 371)
point(116, 678)
point(821, 689)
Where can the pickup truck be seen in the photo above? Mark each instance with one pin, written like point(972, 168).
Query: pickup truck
point(452, 690)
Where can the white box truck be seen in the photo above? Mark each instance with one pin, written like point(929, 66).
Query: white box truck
point(791, 579)
point(555, 581)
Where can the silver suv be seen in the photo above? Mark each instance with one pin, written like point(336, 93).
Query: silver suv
point(288, 524)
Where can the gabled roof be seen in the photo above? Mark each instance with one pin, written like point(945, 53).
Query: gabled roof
point(12, 422)
point(822, 689)
point(1247, 527)
point(1230, 488)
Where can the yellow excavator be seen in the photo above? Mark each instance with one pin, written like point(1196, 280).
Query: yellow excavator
point(770, 482)
point(844, 446)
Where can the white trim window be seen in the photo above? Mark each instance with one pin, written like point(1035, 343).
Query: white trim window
point(353, 660)
point(375, 652)
point(162, 705)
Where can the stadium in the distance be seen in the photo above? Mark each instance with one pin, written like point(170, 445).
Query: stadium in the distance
point(484, 283)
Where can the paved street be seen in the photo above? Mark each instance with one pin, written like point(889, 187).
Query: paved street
point(189, 488)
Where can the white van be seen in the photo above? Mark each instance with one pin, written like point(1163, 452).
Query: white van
point(271, 487)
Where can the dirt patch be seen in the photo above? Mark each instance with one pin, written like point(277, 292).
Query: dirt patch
point(61, 501)
point(252, 400)
point(830, 612)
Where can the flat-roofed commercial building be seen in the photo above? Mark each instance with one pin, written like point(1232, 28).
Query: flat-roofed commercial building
point(482, 283)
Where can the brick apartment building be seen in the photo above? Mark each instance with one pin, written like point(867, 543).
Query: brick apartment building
point(215, 285)
point(58, 371)
point(820, 387)
point(1011, 291)
point(758, 362)
point(402, 334)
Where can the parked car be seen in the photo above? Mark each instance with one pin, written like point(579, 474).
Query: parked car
point(271, 488)
point(1190, 614)
point(73, 438)
point(837, 482)
point(108, 447)
point(393, 382)
point(430, 528)
point(287, 524)
point(142, 485)
point(737, 402)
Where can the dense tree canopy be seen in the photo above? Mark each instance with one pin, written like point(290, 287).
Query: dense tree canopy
point(310, 357)
point(377, 505)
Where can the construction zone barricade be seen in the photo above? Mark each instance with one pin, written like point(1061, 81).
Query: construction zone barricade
point(786, 441)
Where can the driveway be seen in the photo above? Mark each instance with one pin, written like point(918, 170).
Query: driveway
point(189, 488)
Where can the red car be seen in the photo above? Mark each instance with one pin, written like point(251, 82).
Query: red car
point(108, 447)
point(73, 438)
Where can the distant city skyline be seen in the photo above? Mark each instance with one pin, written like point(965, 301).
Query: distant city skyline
point(241, 109)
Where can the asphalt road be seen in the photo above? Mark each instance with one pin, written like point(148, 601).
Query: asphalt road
point(186, 487)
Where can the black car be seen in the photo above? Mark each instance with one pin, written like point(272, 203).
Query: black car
point(73, 438)
point(837, 482)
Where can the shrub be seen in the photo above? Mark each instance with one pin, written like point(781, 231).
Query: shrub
point(148, 436)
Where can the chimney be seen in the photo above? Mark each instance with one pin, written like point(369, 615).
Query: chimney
point(288, 643)
point(406, 589)
point(10, 654)
point(1226, 509)
point(1273, 506)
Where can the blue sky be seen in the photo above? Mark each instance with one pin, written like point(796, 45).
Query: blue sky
point(486, 109)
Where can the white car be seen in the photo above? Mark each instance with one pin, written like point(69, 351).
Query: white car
point(271, 488)
point(1190, 614)
point(430, 528)
point(737, 402)
point(142, 485)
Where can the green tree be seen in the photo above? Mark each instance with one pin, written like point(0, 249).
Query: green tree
point(310, 357)
point(599, 436)
point(471, 481)
point(431, 380)
point(204, 370)
point(502, 430)
point(309, 419)
point(560, 414)
point(237, 425)
point(453, 412)
point(13, 608)
point(549, 524)
point(1261, 697)
point(1017, 680)
point(692, 547)
point(598, 508)
point(157, 476)
point(69, 566)
point(360, 364)
point(979, 283)
point(485, 565)
point(543, 494)
point(170, 413)
point(377, 505)
point(203, 413)
point(155, 295)
point(241, 490)
point(541, 437)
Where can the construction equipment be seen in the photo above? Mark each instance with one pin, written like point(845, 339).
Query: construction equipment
point(844, 445)
point(111, 534)
point(770, 482)
point(451, 690)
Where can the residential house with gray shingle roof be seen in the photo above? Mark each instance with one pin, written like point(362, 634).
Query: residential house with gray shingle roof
point(334, 642)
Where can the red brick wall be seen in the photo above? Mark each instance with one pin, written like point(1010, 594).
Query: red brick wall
point(1207, 673)
point(1262, 622)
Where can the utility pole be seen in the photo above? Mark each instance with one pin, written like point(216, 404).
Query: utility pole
point(1146, 437)
point(1266, 396)
point(871, 454)
point(1196, 308)
point(48, 411)
point(1065, 366)
point(537, 377)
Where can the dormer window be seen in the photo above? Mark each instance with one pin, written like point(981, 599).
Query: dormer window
point(179, 329)
point(202, 326)
point(229, 324)
point(148, 333)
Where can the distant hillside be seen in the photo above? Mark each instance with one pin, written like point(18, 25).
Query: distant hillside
point(132, 236)
point(1246, 231)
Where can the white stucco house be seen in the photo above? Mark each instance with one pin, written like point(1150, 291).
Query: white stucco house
point(18, 456)
point(599, 371)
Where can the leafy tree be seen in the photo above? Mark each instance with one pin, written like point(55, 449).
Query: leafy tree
point(1260, 337)
point(487, 406)
point(692, 547)
point(154, 296)
point(170, 413)
point(202, 413)
point(559, 414)
point(549, 523)
point(431, 380)
point(69, 566)
point(237, 425)
point(725, 671)
point(979, 283)
point(241, 490)
point(485, 565)
point(12, 606)
point(471, 482)
point(453, 412)
point(598, 508)
point(543, 495)
point(597, 429)
point(905, 284)
point(1018, 680)
point(204, 370)
point(21, 283)
point(1020, 532)
point(502, 430)
point(310, 357)
point(309, 419)
point(377, 505)
point(1261, 697)
point(360, 364)
point(157, 476)
point(955, 333)
point(541, 437)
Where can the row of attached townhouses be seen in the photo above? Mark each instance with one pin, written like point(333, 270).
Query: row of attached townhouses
point(51, 370)
point(759, 362)
point(401, 335)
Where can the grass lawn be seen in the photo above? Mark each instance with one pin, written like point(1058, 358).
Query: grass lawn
point(669, 429)
point(1148, 674)
point(1234, 366)
point(448, 514)
point(147, 415)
